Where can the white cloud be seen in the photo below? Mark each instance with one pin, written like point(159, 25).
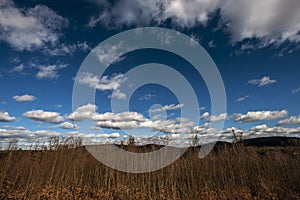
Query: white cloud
point(125, 125)
point(68, 125)
point(271, 21)
point(26, 135)
point(58, 106)
point(273, 131)
point(253, 116)
point(114, 135)
point(297, 90)
point(134, 120)
point(118, 94)
point(243, 98)
point(19, 68)
point(202, 108)
point(49, 71)
point(110, 53)
point(204, 115)
point(124, 12)
point(67, 49)
point(105, 83)
point(189, 14)
point(214, 118)
point(44, 116)
point(83, 112)
point(146, 97)
point(264, 81)
point(29, 29)
point(293, 120)
point(94, 137)
point(4, 117)
point(24, 98)
point(13, 127)
point(200, 129)
point(219, 117)
point(123, 116)
point(167, 107)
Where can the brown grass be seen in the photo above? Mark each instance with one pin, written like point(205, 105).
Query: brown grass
point(239, 172)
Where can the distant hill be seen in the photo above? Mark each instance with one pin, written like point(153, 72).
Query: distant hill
point(272, 141)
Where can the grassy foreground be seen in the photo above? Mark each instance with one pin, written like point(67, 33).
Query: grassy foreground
point(242, 171)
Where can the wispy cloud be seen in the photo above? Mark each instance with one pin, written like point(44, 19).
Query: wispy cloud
point(264, 81)
point(297, 90)
point(167, 107)
point(243, 98)
point(147, 97)
point(49, 71)
point(18, 69)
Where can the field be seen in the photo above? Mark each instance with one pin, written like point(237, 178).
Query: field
point(254, 169)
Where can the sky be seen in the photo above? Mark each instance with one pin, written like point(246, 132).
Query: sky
point(255, 46)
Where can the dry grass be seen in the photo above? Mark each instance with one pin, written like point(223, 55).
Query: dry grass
point(242, 172)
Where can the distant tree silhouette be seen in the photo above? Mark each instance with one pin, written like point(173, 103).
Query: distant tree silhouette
point(131, 141)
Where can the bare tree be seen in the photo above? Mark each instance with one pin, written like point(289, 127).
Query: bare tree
point(195, 140)
point(12, 145)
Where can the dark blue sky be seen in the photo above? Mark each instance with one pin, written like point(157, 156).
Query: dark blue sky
point(255, 46)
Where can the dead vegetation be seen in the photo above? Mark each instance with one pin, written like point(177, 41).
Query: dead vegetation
point(67, 171)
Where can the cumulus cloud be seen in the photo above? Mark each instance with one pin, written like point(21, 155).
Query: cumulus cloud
point(178, 125)
point(26, 135)
point(44, 116)
point(123, 116)
point(214, 118)
point(125, 125)
point(83, 112)
point(24, 98)
point(5, 117)
point(189, 14)
point(68, 125)
point(29, 29)
point(204, 115)
point(167, 107)
point(105, 83)
point(264, 130)
point(134, 120)
point(219, 117)
point(264, 81)
point(143, 13)
point(293, 120)
point(99, 138)
point(272, 21)
point(13, 127)
point(253, 116)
